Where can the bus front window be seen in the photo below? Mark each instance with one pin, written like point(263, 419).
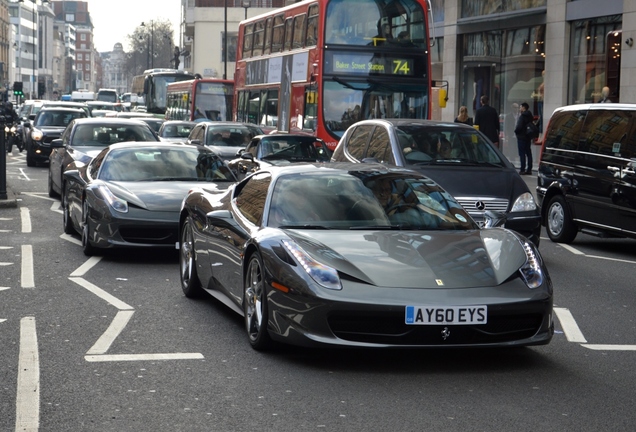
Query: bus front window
point(345, 103)
point(372, 23)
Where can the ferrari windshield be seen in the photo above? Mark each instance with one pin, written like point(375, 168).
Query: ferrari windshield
point(364, 200)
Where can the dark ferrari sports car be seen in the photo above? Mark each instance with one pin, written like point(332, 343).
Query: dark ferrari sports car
point(130, 194)
point(361, 255)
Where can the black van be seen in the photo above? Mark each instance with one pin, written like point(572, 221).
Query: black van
point(587, 179)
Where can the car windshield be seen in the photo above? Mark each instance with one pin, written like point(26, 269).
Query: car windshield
point(293, 149)
point(364, 200)
point(425, 145)
point(230, 136)
point(164, 164)
point(100, 135)
point(57, 118)
point(176, 131)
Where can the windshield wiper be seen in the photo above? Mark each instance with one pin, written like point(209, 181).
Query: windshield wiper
point(378, 227)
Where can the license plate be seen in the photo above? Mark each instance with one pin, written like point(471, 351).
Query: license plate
point(456, 315)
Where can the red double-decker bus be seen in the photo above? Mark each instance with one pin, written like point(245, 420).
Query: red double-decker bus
point(200, 99)
point(317, 67)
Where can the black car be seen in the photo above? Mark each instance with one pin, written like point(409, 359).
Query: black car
point(49, 123)
point(130, 194)
point(86, 137)
point(227, 139)
point(361, 255)
point(458, 157)
point(279, 149)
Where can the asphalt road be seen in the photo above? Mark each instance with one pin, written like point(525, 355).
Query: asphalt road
point(111, 344)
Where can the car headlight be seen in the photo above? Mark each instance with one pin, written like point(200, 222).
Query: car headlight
point(323, 275)
point(36, 135)
point(531, 271)
point(13, 129)
point(525, 202)
point(117, 204)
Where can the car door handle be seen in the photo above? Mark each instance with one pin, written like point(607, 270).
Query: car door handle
point(613, 168)
point(629, 171)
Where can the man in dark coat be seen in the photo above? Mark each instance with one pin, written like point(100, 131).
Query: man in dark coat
point(487, 119)
point(523, 142)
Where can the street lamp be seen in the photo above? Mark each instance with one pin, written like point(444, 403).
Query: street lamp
point(151, 45)
point(246, 5)
point(225, 40)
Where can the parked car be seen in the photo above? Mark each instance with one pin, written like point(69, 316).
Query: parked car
point(458, 157)
point(279, 149)
point(175, 130)
point(48, 125)
point(317, 256)
point(227, 139)
point(130, 194)
point(86, 137)
point(587, 172)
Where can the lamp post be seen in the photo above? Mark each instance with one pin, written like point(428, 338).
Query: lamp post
point(225, 41)
point(246, 5)
point(151, 45)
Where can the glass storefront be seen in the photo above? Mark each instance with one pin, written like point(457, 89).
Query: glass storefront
point(507, 66)
point(595, 59)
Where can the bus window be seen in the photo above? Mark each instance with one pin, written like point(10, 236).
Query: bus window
point(289, 24)
point(299, 31)
point(278, 36)
point(268, 36)
point(247, 40)
point(259, 38)
point(312, 26)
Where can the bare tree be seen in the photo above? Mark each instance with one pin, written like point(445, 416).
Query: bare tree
point(151, 46)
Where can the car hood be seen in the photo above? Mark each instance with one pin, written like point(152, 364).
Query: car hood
point(418, 259)
point(159, 195)
point(459, 180)
point(51, 130)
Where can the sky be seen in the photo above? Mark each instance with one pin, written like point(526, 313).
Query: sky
point(114, 20)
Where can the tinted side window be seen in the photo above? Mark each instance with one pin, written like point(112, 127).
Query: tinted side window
point(197, 133)
point(608, 133)
point(250, 200)
point(562, 137)
point(358, 141)
point(380, 146)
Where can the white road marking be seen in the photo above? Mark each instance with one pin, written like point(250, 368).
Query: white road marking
point(610, 347)
point(6, 247)
point(89, 264)
point(27, 280)
point(611, 259)
point(4, 264)
point(24, 174)
point(56, 207)
point(27, 413)
point(570, 328)
point(6, 219)
point(71, 239)
point(25, 216)
point(111, 333)
point(142, 357)
point(4, 288)
point(5, 231)
point(571, 249)
point(101, 294)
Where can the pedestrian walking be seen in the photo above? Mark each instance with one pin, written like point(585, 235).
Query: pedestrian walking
point(487, 118)
point(523, 141)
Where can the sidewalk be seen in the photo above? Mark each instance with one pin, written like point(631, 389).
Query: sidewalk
point(11, 200)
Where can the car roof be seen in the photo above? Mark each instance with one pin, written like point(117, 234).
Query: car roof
point(157, 144)
point(109, 121)
point(322, 168)
point(414, 122)
point(60, 109)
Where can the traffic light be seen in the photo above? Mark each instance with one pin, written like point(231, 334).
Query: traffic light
point(17, 88)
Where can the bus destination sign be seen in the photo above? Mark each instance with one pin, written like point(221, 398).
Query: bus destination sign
point(372, 65)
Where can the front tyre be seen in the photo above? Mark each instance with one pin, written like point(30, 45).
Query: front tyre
point(190, 283)
point(559, 224)
point(69, 228)
point(255, 305)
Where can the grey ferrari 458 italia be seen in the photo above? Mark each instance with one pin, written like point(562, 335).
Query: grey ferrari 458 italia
point(361, 255)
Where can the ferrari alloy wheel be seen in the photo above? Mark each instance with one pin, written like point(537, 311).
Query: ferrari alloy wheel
point(87, 247)
point(66, 215)
point(559, 224)
point(190, 283)
point(255, 305)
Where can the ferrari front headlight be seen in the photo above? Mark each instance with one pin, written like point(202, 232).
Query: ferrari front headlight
point(531, 271)
point(116, 203)
point(323, 275)
point(525, 202)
